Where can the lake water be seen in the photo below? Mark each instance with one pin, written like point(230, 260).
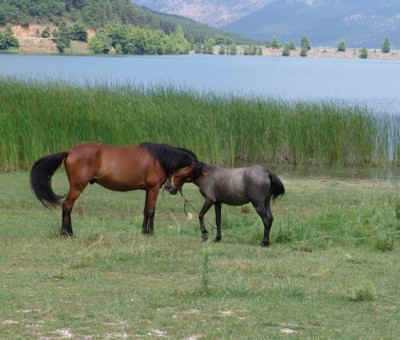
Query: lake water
point(375, 83)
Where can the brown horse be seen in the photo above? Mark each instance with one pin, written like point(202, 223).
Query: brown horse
point(145, 166)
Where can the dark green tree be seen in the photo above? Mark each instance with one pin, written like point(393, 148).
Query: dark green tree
point(386, 46)
point(292, 46)
point(363, 53)
point(303, 52)
point(78, 32)
point(8, 39)
point(305, 44)
point(341, 46)
point(275, 43)
point(286, 50)
point(46, 32)
point(62, 37)
point(100, 43)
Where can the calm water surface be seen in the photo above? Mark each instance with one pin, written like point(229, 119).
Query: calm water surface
point(375, 83)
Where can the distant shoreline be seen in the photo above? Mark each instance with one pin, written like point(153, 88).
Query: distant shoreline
point(331, 52)
point(31, 42)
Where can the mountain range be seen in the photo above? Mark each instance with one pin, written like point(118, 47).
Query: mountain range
point(360, 23)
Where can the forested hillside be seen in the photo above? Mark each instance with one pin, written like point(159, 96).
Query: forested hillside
point(98, 13)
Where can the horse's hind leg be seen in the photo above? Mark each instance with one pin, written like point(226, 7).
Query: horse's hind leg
point(207, 205)
point(73, 194)
point(264, 211)
point(149, 210)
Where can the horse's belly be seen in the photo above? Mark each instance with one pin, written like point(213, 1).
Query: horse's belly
point(233, 198)
point(122, 184)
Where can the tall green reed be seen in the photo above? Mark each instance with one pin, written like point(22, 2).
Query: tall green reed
point(37, 118)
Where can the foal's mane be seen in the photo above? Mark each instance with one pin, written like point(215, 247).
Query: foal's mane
point(171, 158)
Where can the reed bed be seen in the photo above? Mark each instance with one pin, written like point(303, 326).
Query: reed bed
point(37, 118)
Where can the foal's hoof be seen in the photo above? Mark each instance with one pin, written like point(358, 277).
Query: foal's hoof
point(217, 239)
point(204, 237)
point(264, 244)
point(66, 234)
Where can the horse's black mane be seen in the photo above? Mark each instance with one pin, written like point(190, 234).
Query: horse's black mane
point(171, 158)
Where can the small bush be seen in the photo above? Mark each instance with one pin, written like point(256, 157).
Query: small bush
point(384, 242)
point(303, 52)
point(363, 53)
point(46, 32)
point(8, 39)
point(341, 46)
point(364, 292)
point(286, 51)
point(385, 46)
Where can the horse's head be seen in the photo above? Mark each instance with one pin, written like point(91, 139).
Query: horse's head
point(184, 175)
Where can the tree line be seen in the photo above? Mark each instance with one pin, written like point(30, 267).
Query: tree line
point(305, 46)
point(127, 39)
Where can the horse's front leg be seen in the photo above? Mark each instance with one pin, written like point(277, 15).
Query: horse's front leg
point(218, 237)
point(149, 210)
point(207, 205)
point(145, 229)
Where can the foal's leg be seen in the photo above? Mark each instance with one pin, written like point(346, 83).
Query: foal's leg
point(264, 211)
point(73, 194)
point(207, 205)
point(149, 210)
point(218, 221)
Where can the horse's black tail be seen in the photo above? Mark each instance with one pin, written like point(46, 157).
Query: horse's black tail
point(277, 187)
point(41, 174)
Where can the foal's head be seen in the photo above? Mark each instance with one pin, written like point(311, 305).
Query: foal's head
point(182, 176)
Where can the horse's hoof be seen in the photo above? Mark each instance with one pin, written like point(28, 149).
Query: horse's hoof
point(66, 234)
point(217, 239)
point(264, 244)
point(204, 237)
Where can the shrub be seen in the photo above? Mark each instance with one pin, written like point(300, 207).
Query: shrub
point(45, 32)
point(305, 44)
point(286, 51)
point(62, 38)
point(341, 46)
point(385, 46)
point(78, 32)
point(292, 46)
point(8, 39)
point(384, 242)
point(303, 52)
point(363, 54)
point(364, 292)
point(101, 43)
point(275, 43)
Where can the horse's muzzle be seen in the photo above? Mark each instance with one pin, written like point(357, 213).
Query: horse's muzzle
point(172, 191)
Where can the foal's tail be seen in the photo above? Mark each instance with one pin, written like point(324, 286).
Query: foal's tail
point(41, 174)
point(277, 187)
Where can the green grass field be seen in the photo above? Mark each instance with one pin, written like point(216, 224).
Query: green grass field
point(332, 272)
